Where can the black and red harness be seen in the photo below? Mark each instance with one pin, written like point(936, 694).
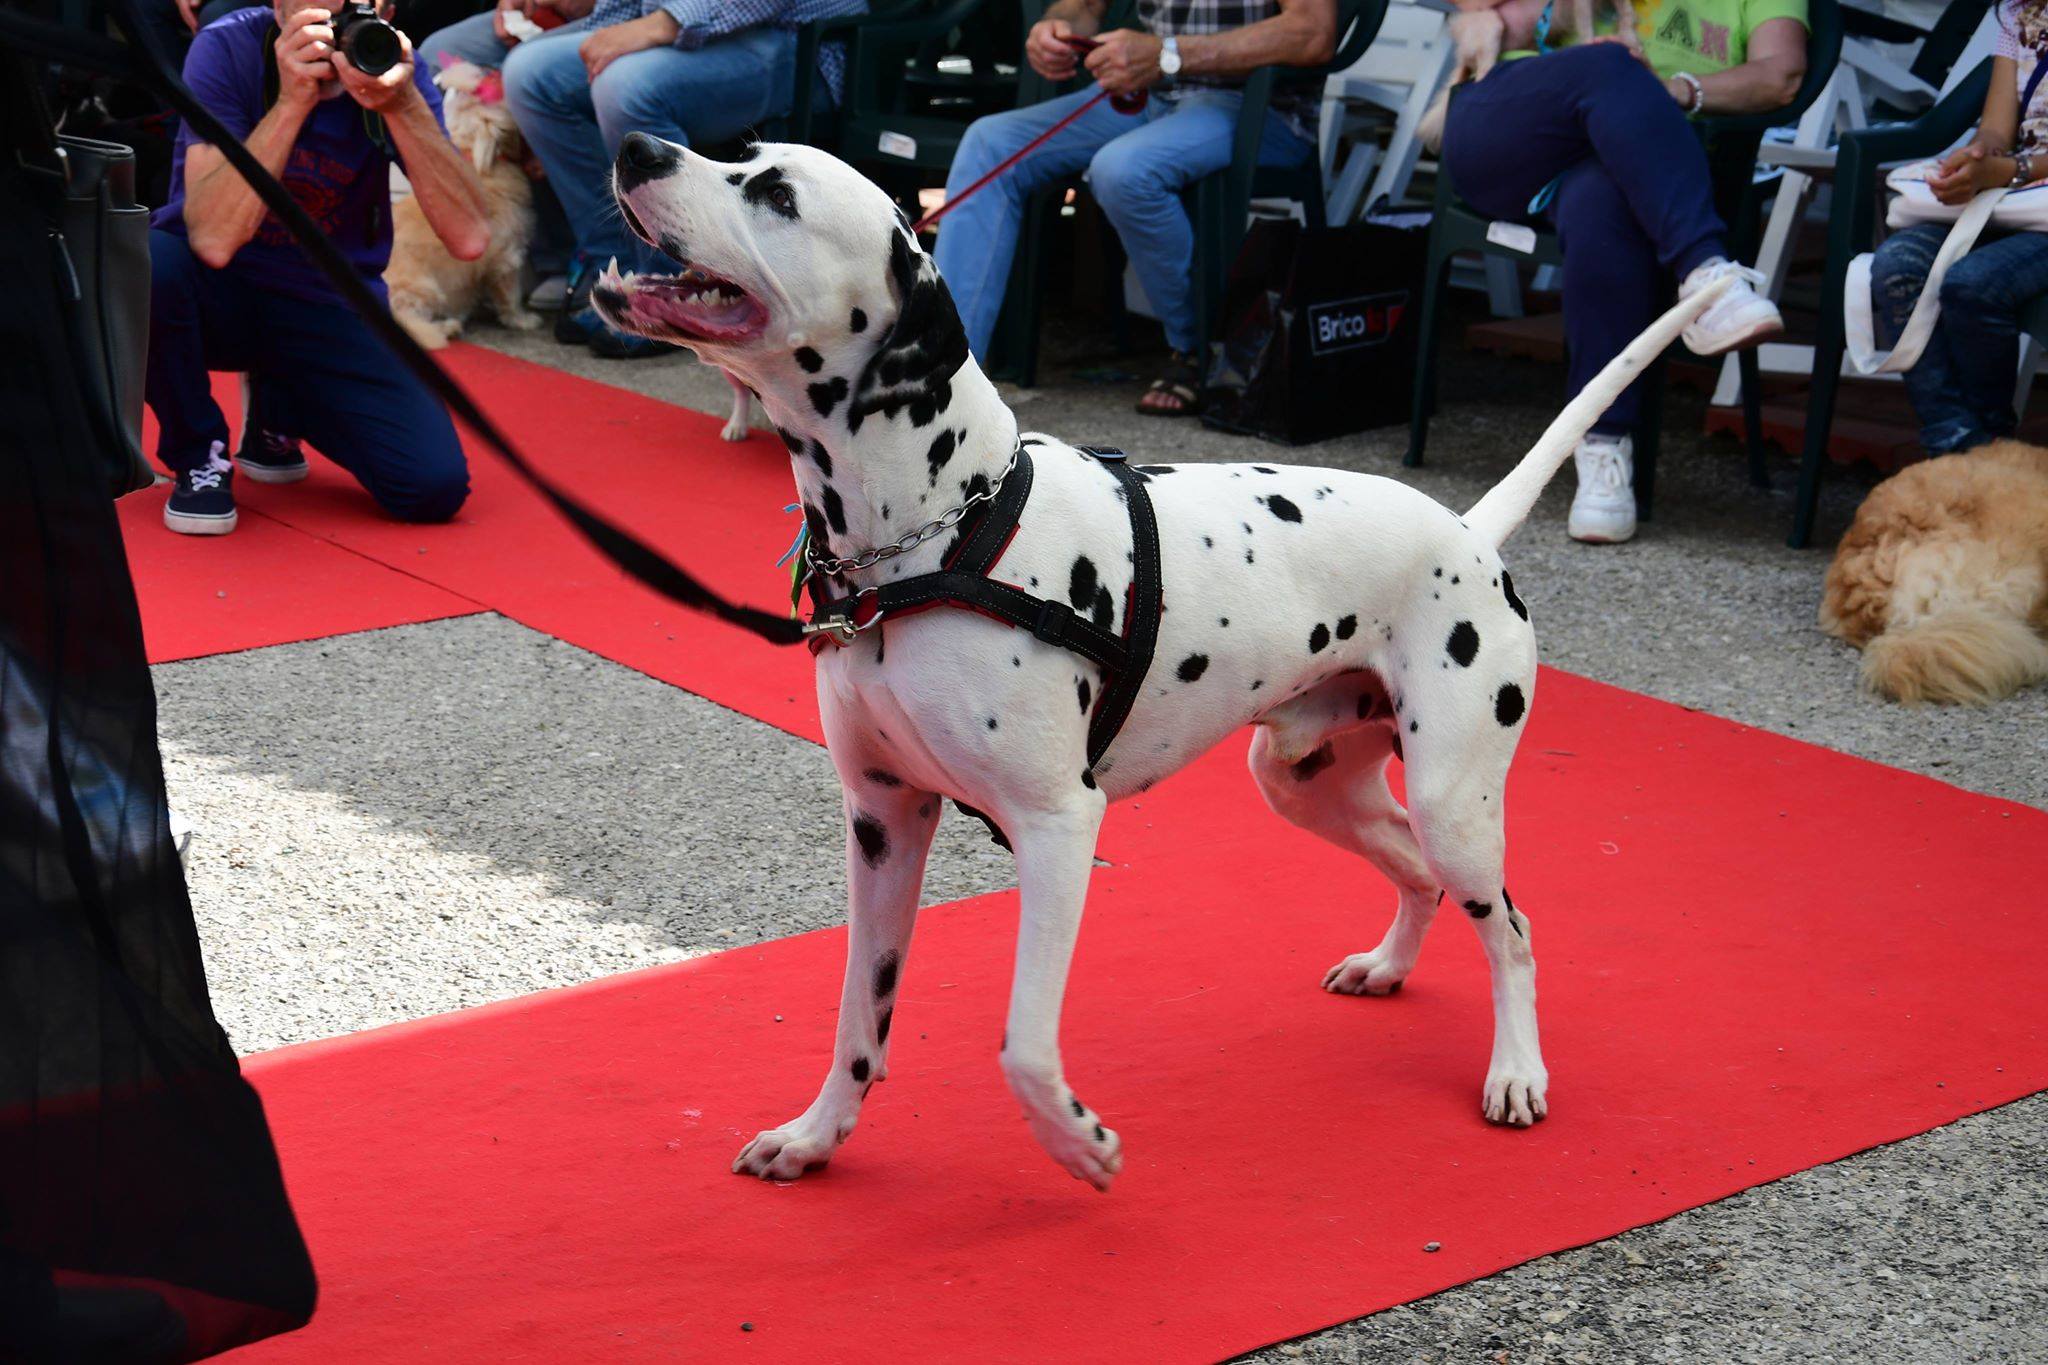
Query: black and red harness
point(963, 581)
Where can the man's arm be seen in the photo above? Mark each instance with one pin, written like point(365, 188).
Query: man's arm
point(1303, 33)
point(445, 185)
point(221, 212)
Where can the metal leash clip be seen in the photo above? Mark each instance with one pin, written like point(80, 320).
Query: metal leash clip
point(843, 628)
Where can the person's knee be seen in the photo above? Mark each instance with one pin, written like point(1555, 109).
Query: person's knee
point(987, 141)
point(1972, 288)
point(534, 75)
point(431, 495)
point(624, 99)
point(1121, 178)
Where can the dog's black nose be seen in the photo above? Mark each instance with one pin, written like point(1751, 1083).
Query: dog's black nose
point(642, 158)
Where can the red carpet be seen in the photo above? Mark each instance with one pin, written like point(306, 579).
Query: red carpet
point(1756, 956)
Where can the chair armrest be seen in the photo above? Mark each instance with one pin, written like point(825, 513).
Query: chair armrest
point(1932, 132)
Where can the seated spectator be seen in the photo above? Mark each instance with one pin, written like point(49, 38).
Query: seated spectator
point(1138, 164)
point(689, 71)
point(1962, 385)
point(1597, 141)
point(232, 291)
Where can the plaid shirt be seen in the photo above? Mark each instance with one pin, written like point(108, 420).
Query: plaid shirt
point(705, 21)
point(1296, 103)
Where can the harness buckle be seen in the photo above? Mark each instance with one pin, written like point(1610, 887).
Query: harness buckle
point(1101, 452)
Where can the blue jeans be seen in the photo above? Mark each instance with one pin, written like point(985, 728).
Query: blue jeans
point(467, 40)
point(1962, 385)
point(318, 372)
point(1137, 166)
point(575, 125)
point(1634, 203)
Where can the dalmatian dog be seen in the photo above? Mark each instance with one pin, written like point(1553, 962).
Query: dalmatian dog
point(1348, 618)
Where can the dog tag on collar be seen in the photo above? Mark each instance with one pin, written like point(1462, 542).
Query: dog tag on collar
point(897, 144)
point(1101, 452)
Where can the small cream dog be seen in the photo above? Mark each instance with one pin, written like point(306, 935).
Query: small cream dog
point(432, 293)
point(1942, 580)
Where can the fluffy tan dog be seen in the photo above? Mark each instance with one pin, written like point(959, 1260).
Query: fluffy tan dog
point(432, 293)
point(1942, 580)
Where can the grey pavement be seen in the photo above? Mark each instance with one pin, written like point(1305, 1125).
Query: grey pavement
point(406, 821)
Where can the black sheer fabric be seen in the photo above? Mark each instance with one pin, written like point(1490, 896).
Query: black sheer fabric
point(142, 1213)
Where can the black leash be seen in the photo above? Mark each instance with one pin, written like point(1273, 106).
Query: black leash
point(963, 581)
point(150, 67)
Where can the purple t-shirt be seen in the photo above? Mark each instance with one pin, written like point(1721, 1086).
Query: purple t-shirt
point(336, 170)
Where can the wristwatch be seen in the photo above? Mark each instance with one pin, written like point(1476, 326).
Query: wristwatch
point(2022, 169)
point(1169, 58)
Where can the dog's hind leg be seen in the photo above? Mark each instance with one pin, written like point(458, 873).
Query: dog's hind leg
point(889, 830)
point(1055, 853)
point(1459, 742)
point(1338, 791)
point(507, 295)
point(736, 426)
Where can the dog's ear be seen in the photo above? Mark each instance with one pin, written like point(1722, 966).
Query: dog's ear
point(914, 362)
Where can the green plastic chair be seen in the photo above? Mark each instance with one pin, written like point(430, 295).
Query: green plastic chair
point(902, 118)
point(1852, 225)
point(1218, 204)
point(1732, 141)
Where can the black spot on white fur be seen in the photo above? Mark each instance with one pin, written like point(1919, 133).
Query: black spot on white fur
point(858, 322)
point(826, 396)
point(835, 510)
point(1193, 667)
point(995, 831)
point(860, 1069)
point(872, 838)
point(885, 975)
point(1347, 627)
point(1507, 588)
point(1479, 909)
point(821, 458)
point(939, 454)
point(1508, 704)
point(912, 368)
point(882, 778)
point(1463, 646)
point(1085, 693)
point(1086, 593)
point(1281, 508)
point(1319, 638)
point(809, 359)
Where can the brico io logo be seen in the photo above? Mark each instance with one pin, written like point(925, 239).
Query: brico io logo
point(1346, 324)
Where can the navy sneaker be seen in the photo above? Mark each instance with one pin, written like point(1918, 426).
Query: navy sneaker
point(203, 499)
point(271, 457)
point(615, 345)
point(579, 322)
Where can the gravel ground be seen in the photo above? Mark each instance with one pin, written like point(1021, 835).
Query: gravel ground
point(451, 859)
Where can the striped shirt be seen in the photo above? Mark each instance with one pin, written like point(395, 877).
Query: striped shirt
point(705, 21)
point(1296, 102)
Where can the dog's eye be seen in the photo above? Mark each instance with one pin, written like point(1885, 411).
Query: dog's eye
point(783, 199)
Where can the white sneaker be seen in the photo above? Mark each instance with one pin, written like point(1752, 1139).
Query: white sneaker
point(1740, 317)
point(1604, 508)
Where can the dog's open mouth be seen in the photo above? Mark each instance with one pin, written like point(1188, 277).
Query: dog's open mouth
point(695, 305)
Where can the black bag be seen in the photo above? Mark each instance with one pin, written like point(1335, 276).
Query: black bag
point(1319, 330)
point(98, 240)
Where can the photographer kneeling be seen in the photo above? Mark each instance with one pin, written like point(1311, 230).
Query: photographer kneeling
point(231, 291)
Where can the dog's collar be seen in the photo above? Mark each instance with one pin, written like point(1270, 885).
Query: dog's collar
point(867, 559)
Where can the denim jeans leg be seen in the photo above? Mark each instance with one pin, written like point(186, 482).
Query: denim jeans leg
point(1981, 301)
point(466, 40)
point(978, 241)
point(1898, 274)
point(548, 91)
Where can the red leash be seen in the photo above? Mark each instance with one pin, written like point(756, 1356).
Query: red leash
point(1027, 149)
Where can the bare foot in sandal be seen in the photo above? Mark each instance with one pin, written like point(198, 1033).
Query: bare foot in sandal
point(1177, 393)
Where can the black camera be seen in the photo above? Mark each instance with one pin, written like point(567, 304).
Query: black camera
point(370, 44)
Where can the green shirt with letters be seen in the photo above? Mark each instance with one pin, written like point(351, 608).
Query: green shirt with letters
point(1699, 36)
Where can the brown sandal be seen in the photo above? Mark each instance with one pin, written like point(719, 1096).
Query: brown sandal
point(1182, 381)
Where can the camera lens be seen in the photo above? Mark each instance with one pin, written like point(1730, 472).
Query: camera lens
point(371, 46)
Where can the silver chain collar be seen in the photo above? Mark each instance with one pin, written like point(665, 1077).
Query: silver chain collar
point(867, 559)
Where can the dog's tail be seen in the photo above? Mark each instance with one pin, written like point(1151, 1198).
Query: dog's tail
point(1969, 656)
point(1496, 515)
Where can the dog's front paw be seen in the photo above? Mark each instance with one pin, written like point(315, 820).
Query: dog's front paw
point(789, 1151)
point(524, 320)
point(1079, 1141)
point(1515, 1096)
point(734, 430)
point(1373, 973)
